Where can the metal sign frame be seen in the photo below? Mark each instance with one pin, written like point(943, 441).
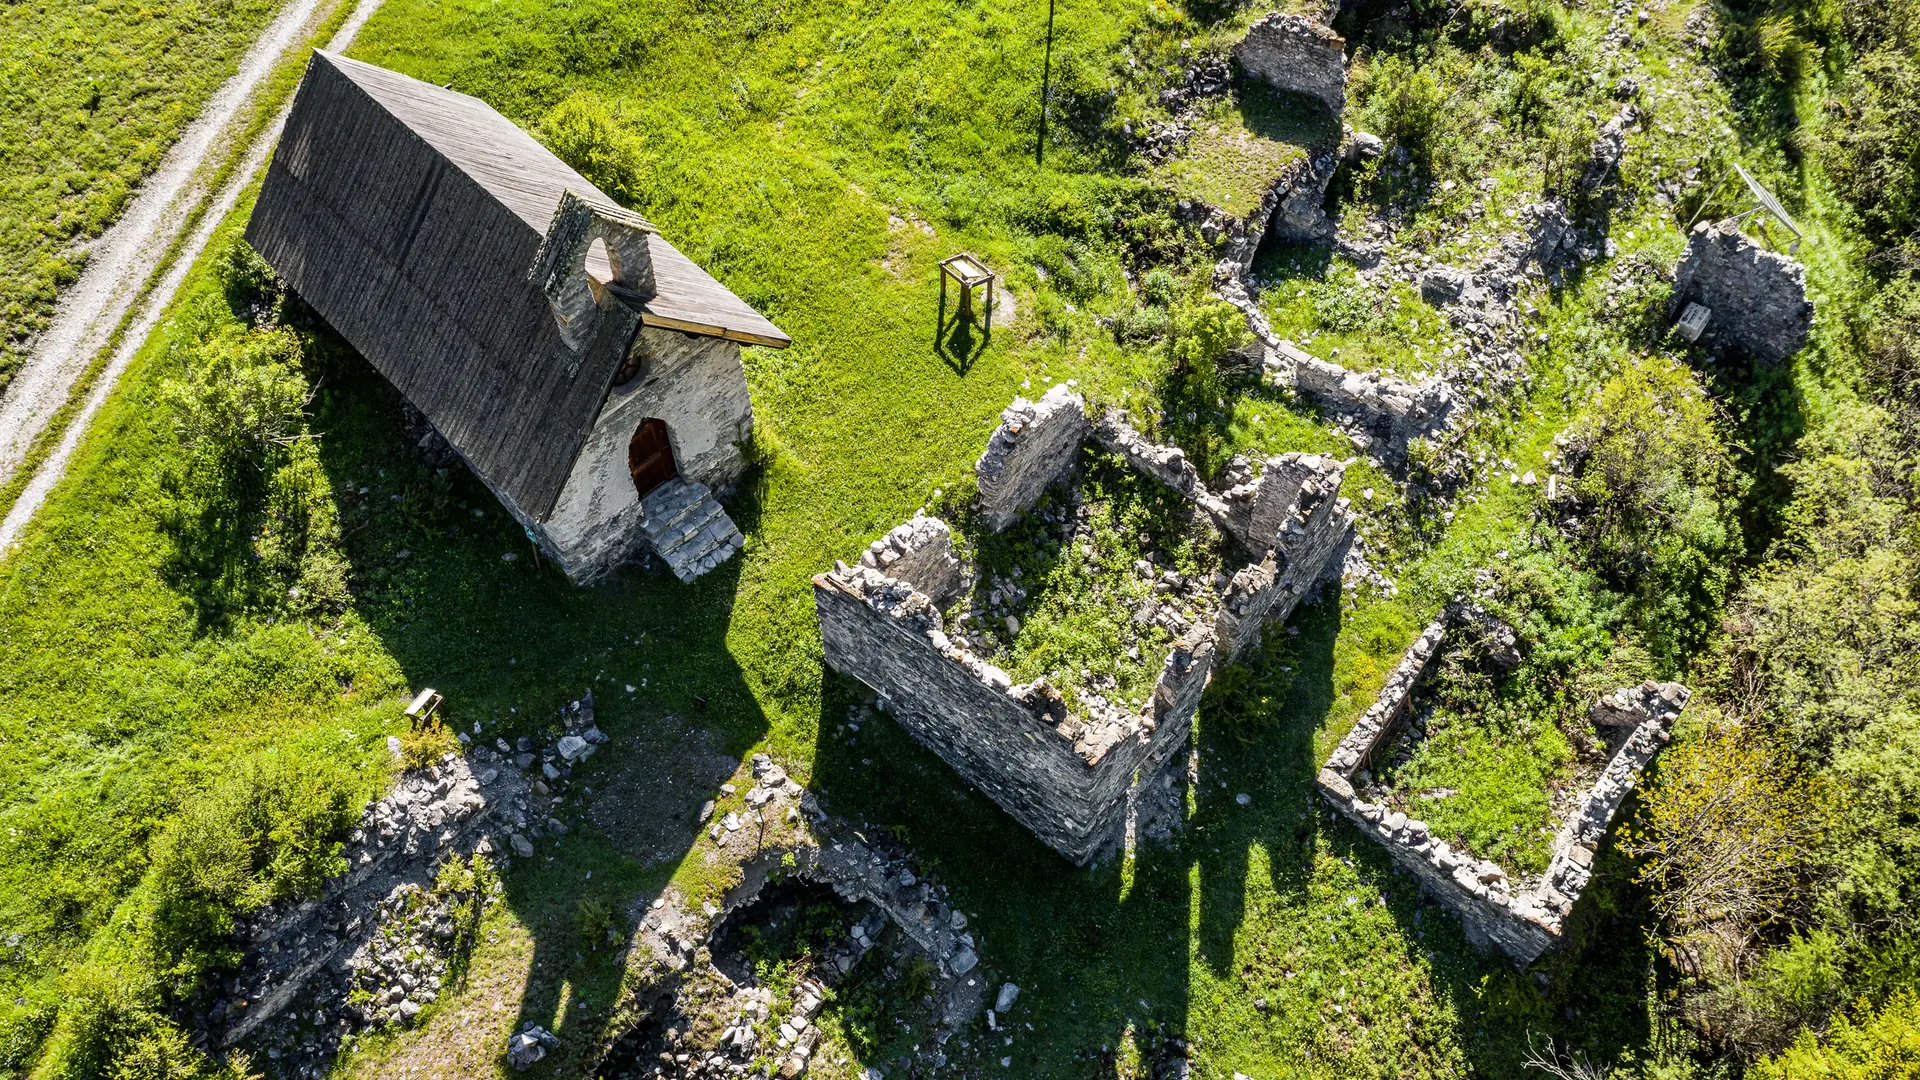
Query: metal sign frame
point(1764, 200)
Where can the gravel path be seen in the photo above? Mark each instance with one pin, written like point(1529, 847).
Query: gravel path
point(124, 257)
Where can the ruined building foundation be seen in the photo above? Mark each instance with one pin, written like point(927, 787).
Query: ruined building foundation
point(1522, 922)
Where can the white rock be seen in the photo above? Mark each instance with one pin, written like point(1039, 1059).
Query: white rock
point(1009, 993)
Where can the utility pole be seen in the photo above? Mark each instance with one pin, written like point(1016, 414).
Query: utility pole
point(1046, 91)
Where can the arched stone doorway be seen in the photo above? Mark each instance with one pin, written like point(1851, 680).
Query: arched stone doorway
point(650, 457)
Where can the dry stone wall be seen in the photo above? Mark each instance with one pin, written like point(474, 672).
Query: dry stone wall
point(1391, 412)
point(1034, 446)
point(1758, 297)
point(1005, 740)
point(1070, 778)
point(920, 553)
point(1288, 52)
point(1306, 545)
point(1521, 922)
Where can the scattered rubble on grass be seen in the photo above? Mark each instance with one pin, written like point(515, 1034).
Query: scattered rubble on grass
point(371, 950)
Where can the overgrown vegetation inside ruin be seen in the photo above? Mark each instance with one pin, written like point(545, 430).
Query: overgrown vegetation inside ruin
point(1091, 587)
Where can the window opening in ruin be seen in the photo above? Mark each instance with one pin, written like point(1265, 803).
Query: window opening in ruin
point(650, 457)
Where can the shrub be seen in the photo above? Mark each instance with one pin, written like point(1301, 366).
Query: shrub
point(1891, 346)
point(583, 132)
point(1729, 833)
point(1871, 137)
point(1405, 105)
point(427, 744)
point(237, 393)
point(252, 289)
point(273, 830)
point(252, 515)
point(1660, 491)
point(1204, 333)
point(112, 1027)
point(1882, 1045)
point(592, 923)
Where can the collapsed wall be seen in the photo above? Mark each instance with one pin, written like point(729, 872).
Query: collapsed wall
point(1757, 298)
point(1522, 922)
point(1387, 413)
point(1068, 778)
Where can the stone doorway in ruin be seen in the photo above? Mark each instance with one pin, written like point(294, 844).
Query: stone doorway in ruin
point(650, 457)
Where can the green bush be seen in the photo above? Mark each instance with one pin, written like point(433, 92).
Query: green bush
point(1871, 136)
point(271, 831)
point(1728, 835)
point(112, 1027)
point(252, 516)
point(1659, 492)
point(1879, 1045)
point(252, 289)
point(584, 132)
point(1406, 105)
point(237, 393)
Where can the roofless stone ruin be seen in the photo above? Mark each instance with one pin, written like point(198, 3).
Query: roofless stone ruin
point(1066, 753)
point(1523, 916)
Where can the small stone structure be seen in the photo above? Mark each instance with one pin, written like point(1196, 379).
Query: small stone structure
point(1288, 52)
point(783, 832)
point(1070, 778)
point(1522, 922)
point(1758, 297)
point(583, 368)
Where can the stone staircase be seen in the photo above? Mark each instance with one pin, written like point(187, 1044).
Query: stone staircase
point(687, 529)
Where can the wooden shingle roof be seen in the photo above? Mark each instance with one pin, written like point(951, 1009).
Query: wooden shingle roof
point(408, 215)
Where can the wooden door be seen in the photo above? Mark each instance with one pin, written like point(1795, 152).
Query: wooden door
point(650, 458)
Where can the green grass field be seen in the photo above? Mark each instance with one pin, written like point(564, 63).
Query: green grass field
point(818, 159)
point(91, 97)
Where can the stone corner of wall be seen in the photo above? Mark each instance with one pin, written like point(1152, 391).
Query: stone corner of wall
point(1031, 448)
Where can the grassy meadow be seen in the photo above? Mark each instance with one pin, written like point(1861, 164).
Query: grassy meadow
point(175, 620)
point(91, 97)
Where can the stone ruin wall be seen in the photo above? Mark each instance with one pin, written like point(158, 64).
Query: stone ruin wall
point(1035, 444)
point(1758, 297)
point(1304, 552)
point(920, 553)
point(1298, 55)
point(1522, 923)
point(1068, 780)
point(999, 737)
